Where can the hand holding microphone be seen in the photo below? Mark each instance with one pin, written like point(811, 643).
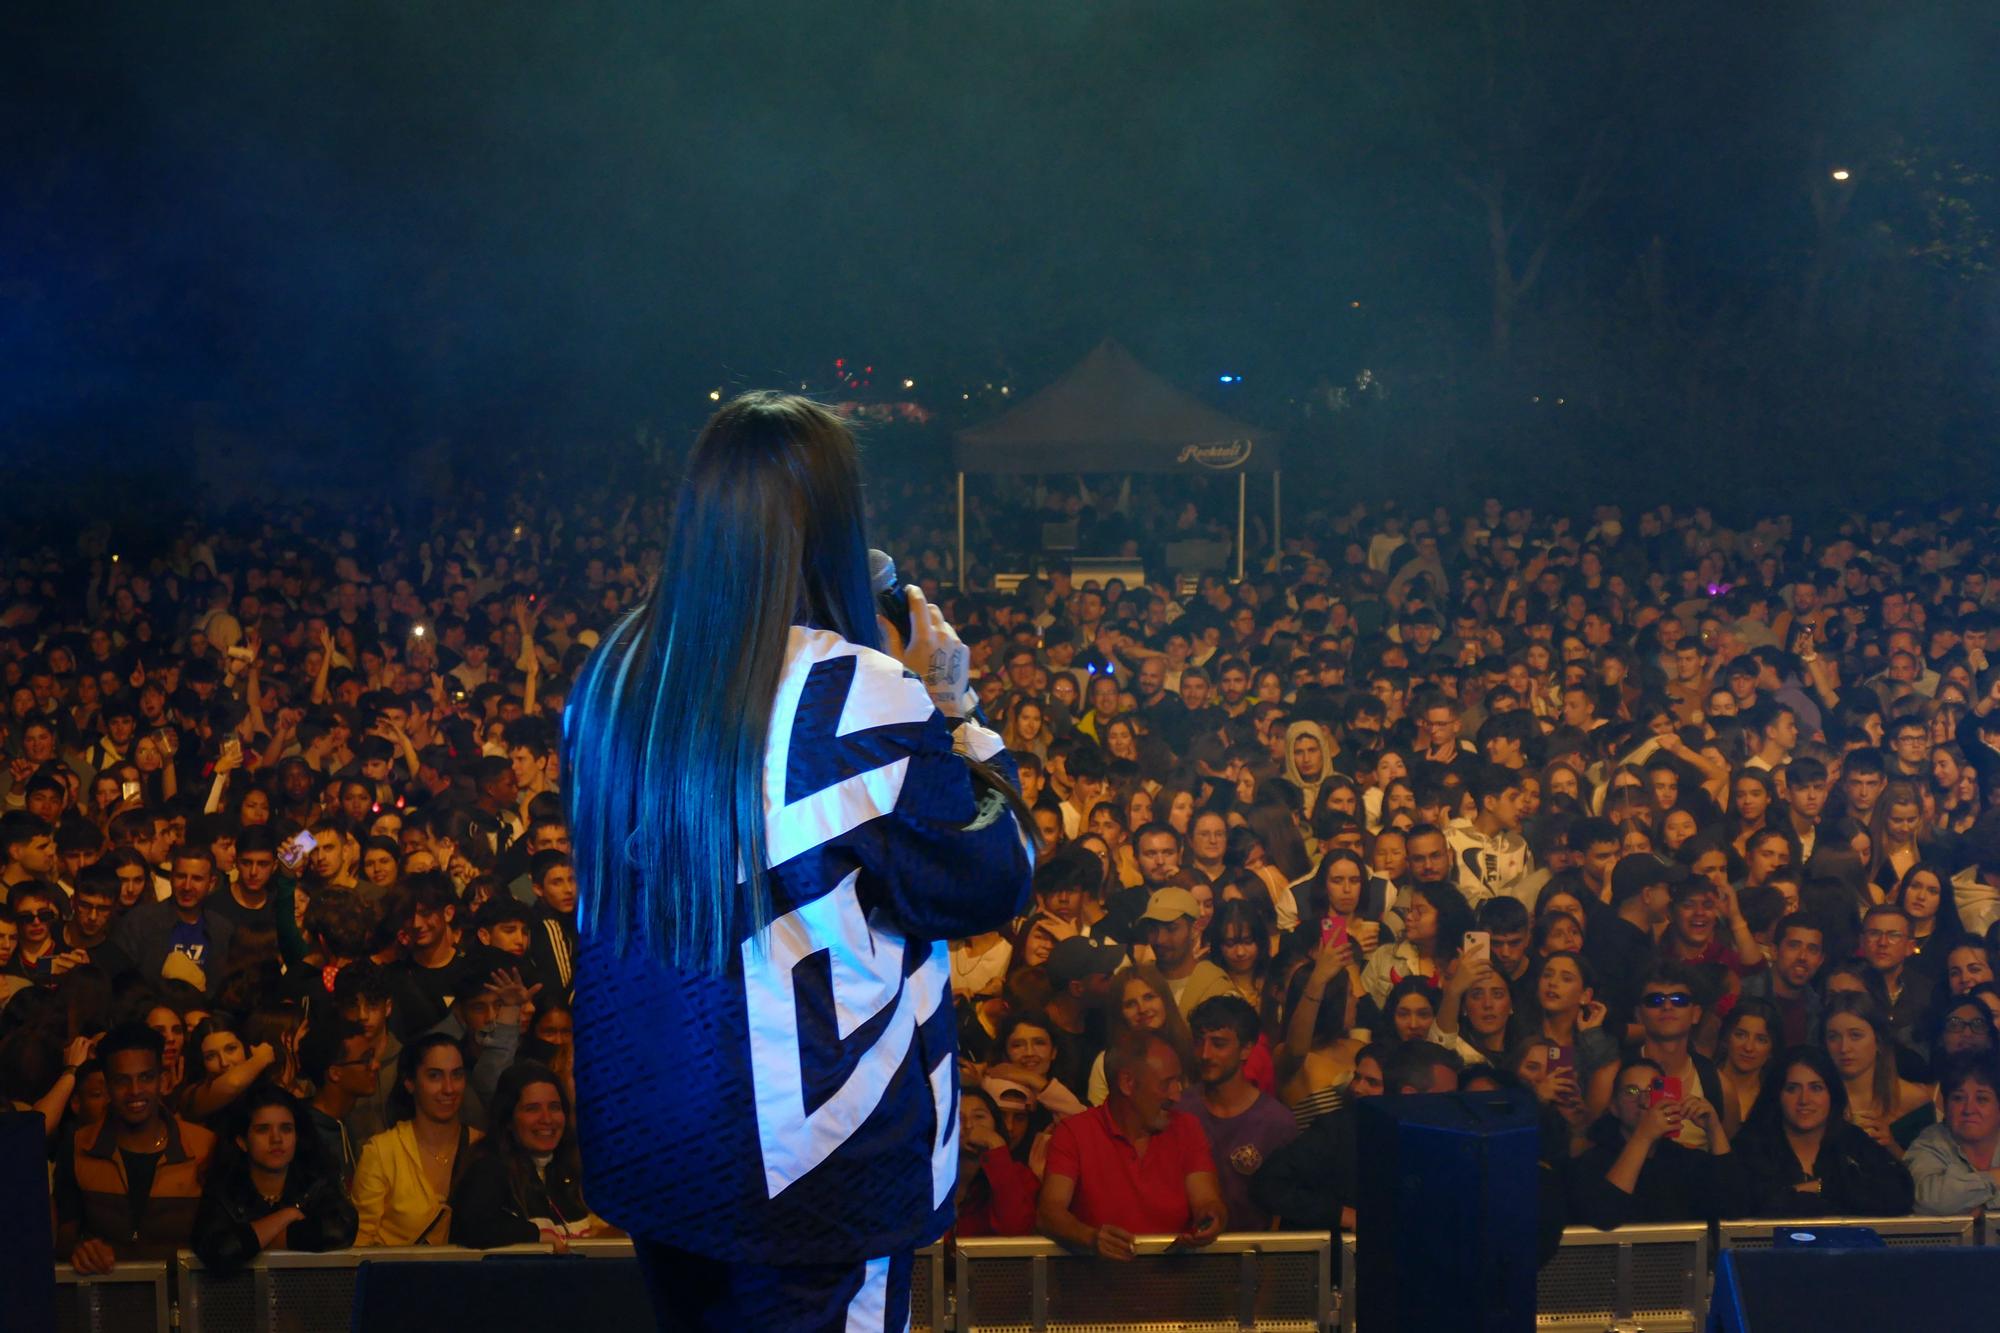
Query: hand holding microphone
point(937, 657)
point(915, 633)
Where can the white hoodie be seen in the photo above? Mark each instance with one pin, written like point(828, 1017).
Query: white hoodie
point(1486, 866)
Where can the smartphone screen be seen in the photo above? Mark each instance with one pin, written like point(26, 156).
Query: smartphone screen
point(292, 853)
point(129, 791)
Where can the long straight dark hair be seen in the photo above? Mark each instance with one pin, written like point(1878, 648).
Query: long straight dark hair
point(564, 1178)
point(664, 736)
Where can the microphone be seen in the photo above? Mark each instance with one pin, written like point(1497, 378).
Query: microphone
point(890, 599)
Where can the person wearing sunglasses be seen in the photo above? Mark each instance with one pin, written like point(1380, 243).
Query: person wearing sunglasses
point(1636, 1170)
point(1668, 1014)
point(37, 918)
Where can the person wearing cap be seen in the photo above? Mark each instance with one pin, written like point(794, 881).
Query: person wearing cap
point(1621, 945)
point(1081, 969)
point(1167, 925)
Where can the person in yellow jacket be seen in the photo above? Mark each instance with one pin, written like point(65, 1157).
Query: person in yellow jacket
point(405, 1174)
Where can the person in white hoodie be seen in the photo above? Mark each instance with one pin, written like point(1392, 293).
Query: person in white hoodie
point(1488, 852)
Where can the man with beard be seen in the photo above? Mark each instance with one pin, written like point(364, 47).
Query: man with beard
point(1244, 1126)
point(1800, 944)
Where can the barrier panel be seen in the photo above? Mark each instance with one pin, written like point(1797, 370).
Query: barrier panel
point(930, 1309)
point(1273, 1282)
point(1656, 1275)
point(291, 1291)
point(1895, 1231)
point(131, 1298)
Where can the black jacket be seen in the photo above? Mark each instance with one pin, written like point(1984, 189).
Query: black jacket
point(1675, 1185)
point(1857, 1176)
point(552, 949)
point(225, 1240)
point(1309, 1180)
point(485, 1213)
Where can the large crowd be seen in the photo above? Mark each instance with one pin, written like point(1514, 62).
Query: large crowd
point(1692, 832)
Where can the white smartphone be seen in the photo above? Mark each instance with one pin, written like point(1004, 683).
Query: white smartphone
point(1479, 945)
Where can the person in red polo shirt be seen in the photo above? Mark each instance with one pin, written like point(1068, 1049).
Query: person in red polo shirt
point(1133, 1166)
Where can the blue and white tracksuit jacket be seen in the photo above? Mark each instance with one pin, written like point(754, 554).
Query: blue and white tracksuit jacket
point(803, 1107)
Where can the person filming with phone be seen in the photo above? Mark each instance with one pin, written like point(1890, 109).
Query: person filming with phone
point(1636, 1171)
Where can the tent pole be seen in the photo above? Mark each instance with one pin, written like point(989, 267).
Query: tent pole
point(1277, 514)
point(1242, 490)
point(961, 532)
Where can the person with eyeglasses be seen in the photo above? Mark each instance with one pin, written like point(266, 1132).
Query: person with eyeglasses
point(1637, 1171)
point(1905, 995)
point(1668, 1013)
point(339, 1057)
point(1964, 1027)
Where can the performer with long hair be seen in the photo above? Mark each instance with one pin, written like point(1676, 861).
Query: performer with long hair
point(777, 826)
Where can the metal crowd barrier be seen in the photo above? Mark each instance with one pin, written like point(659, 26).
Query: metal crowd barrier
point(930, 1308)
point(1656, 1275)
point(300, 1292)
point(1272, 1282)
point(131, 1298)
point(1894, 1231)
point(291, 1291)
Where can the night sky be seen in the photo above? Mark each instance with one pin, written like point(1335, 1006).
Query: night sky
point(374, 223)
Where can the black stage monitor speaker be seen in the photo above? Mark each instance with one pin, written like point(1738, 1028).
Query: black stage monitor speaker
point(27, 1247)
point(1447, 1213)
point(500, 1293)
point(1832, 1290)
